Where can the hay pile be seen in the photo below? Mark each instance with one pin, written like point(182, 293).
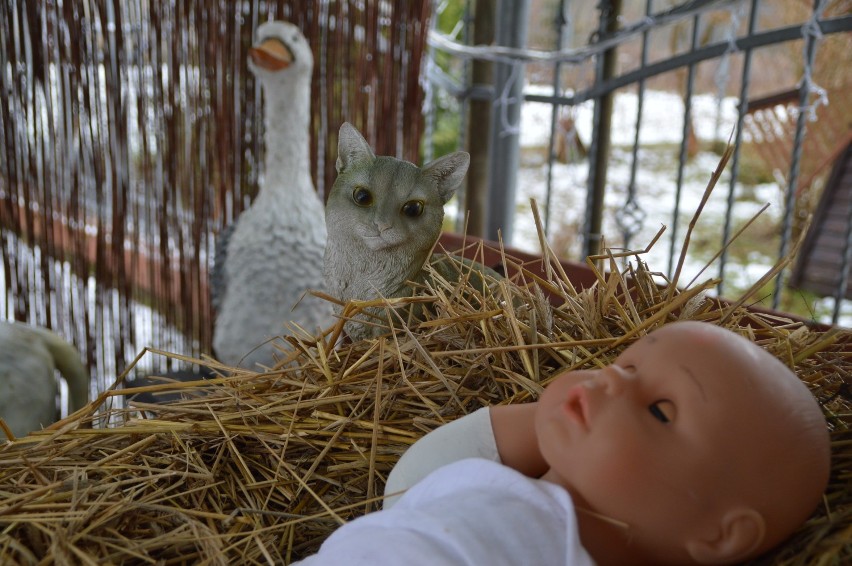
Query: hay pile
point(258, 468)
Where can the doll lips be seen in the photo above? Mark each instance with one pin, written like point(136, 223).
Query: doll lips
point(577, 405)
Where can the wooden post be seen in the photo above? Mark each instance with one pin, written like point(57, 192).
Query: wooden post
point(479, 123)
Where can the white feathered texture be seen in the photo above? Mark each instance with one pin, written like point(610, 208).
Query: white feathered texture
point(29, 356)
point(274, 254)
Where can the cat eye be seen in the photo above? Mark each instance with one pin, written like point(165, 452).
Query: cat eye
point(362, 196)
point(663, 411)
point(413, 208)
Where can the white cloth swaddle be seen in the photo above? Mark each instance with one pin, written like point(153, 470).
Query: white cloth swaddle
point(470, 436)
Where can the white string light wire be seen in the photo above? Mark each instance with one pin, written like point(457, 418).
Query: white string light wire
point(811, 29)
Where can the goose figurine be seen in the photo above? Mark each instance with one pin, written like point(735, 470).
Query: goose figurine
point(29, 356)
point(273, 254)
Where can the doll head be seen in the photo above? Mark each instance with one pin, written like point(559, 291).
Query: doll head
point(699, 444)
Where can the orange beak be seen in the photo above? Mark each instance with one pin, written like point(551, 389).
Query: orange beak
point(271, 55)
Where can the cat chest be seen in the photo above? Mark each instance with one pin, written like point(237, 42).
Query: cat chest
point(369, 276)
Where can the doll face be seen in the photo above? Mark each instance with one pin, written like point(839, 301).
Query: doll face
point(645, 440)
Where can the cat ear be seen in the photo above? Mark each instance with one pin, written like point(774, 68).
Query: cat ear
point(351, 147)
point(448, 172)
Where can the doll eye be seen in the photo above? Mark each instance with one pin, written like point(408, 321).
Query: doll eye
point(362, 196)
point(663, 411)
point(413, 208)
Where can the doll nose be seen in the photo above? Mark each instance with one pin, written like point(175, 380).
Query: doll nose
point(616, 379)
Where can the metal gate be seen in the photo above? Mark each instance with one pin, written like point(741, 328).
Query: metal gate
point(485, 57)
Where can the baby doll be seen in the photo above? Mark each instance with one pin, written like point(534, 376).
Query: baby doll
point(695, 446)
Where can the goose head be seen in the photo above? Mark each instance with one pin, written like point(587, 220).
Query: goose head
point(280, 50)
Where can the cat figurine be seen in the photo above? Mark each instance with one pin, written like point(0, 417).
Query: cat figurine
point(383, 217)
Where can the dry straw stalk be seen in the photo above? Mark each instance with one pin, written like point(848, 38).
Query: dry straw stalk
point(259, 467)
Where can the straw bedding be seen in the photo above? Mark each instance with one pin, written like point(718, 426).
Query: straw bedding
point(258, 468)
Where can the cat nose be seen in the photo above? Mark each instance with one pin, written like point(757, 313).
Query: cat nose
point(384, 226)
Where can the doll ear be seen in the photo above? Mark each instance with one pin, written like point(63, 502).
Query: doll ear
point(740, 533)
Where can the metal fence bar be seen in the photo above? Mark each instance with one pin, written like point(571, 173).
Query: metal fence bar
point(630, 217)
point(600, 146)
point(840, 290)
point(601, 92)
point(464, 111)
point(801, 119)
point(684, 142)
point(561, 22)
point(838, 24)
point(512, 18)
point(735, 158)
point(579, 55)
point(429, 96)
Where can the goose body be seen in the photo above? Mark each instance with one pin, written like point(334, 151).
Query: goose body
point(29, 356)
point(274, 253)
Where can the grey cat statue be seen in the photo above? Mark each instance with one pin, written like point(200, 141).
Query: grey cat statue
point(383, 217)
